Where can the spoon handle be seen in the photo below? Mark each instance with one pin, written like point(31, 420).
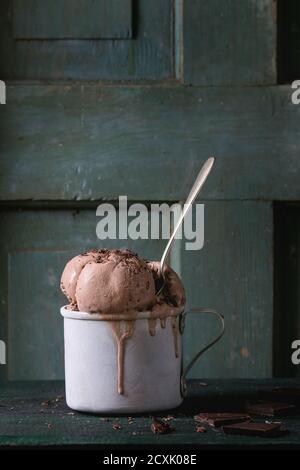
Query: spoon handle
point(199, 182)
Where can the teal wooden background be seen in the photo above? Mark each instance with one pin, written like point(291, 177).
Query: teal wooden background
point(88, 120)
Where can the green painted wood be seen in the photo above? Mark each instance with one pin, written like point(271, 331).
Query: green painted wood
point(231, 42)
point(178, 38)
point(233, 273)
point(101, 142)
point(34, 247)
point(25, 421)
point(35, 329)
point(288, 40)
point(69, 19)
point(35, 244)
point(148, 55)
point(287, 287)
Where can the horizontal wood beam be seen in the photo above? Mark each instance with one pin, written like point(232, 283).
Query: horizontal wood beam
point(87, 142)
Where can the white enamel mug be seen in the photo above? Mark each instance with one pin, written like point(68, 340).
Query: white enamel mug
point(153, 375)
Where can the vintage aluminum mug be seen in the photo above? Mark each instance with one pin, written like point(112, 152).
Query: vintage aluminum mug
point(153, 379)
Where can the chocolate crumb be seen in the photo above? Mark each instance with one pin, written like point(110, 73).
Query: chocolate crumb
point(116, 426)
point(46, 403)
point(168, 418)
point(159, 427)
point(200, 429)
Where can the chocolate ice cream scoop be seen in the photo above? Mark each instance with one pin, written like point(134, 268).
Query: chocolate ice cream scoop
point(71, 274)
point(173, 291)
point(117, 281)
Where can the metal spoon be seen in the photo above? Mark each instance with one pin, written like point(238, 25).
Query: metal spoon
point(199, 182)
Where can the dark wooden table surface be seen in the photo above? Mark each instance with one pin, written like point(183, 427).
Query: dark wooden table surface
point(35, 413)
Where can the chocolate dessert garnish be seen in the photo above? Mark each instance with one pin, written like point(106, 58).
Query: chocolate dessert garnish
point(289, 395)
point(255, 429)
point(116, 426)
point(220, 419)
point(200, 429)
point(270, 409)
point(160, 427)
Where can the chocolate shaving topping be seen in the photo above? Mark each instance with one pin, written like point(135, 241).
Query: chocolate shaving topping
point(119, 257)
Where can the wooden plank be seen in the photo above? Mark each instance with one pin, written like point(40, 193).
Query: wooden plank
point(229, 42)
point(35, 245)
point(233, 273)
point(287, 287)
point(69, 19)
point(178, 38)
point(35, 328)
point(288, 40)
point(148, 55)
point(23, 423)
point(67, 142)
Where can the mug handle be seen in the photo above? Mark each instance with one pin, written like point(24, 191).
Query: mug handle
point(203, 350)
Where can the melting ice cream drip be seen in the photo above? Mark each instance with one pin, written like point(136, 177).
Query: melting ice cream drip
point(175, 330)
point(122, 331)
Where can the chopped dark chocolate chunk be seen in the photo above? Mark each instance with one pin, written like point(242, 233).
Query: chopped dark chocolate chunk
point(255, 429)
point(160, 427)
point(220, 419)
point(168, 418)
point(200, 429)
point(288, 391)
point(116, 426)
point(270, 409)
point(290, 395)
point(46, 403)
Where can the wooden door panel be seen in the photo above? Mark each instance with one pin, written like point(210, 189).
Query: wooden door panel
point(72, 19)
point(35, 328)
point(286, 326)
point(35, 246)
point(229, 42)
point(234, 274)
point(145, 53)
